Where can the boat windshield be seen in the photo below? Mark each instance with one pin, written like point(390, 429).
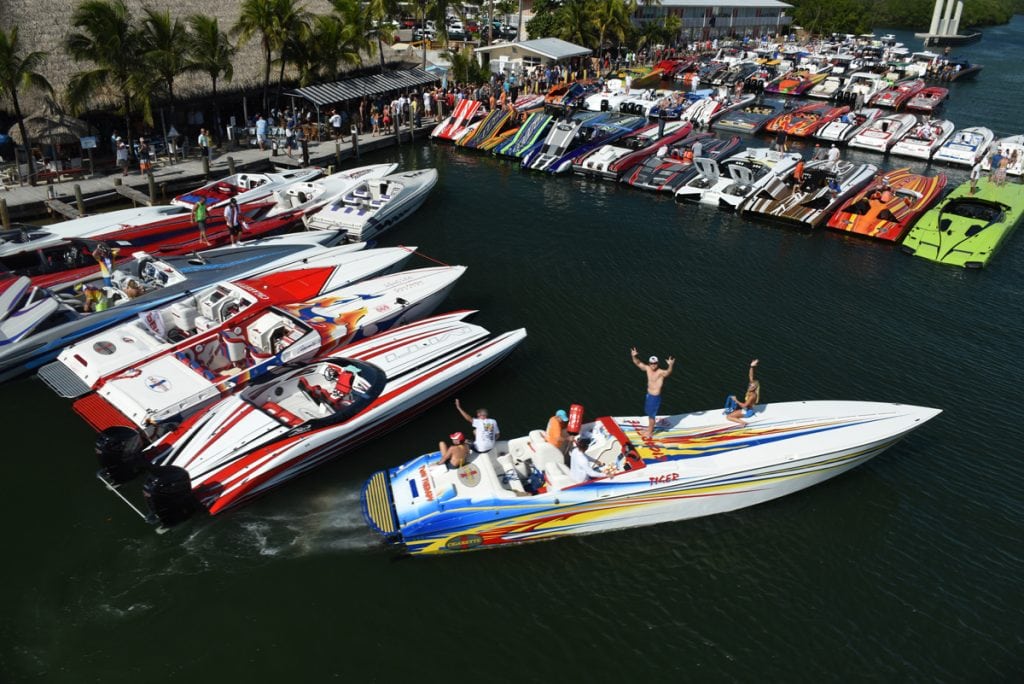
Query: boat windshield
point(975, 208)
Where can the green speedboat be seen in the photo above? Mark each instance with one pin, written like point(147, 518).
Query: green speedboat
point(965, 229)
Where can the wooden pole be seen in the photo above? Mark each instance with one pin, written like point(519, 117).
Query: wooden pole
point(152, 187)
point(231, 166)
point(5, 216)
point(206, 167)
point(79, 201)
point(337, 154)
point(355, 141)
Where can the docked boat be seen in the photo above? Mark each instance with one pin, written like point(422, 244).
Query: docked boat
point(302, 416)
point(750, 118)
point(1012, 148)
point(845, 127)
point(955, 69)
point(965, 147)
point(695, 464)
point(228, 356)
point(728, 183)
point(611, 96)
point(670, 172)
point(492, 124)
point(453, 127)
point(531, 134)
point(888, 206)
point(922, 141)
point(809, 200)
point(928, 100)
point(861, 87)
point(714, 107)
point(796, 82)
point(29, 239)
point(309, 196)
point(882, 133)
point(82, 366)
point(642, 105)
point(614, 159)
point(804, 121)
point(966, 230)
point(898, 94)
point(828, 89)
point(571, 139)
point(244, 187)
point(36, 323)
point(374, 206)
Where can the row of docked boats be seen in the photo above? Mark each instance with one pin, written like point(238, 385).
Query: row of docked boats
point(215, 376)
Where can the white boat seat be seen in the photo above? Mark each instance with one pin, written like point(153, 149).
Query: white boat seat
point(557, 475)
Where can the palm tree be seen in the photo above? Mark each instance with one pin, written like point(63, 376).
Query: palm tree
point(107, 38)
point(612, 18)
point(165, 47)
point(210, 52)
point(257, 17)
point(576, 22)
point(18, 70)
point(322, 47)
point(380, 14)
point(291, 22)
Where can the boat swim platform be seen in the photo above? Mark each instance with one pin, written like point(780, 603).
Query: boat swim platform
point(28, 202)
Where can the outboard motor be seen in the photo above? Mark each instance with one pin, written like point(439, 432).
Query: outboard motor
point(168, 492)
point(118, 450)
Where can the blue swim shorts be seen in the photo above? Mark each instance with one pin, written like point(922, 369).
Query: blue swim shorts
point(651, 405)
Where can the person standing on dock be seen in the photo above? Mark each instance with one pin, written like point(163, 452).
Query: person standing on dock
point(204, 144)
point(261, 132)
point(121, 153)
point(655, 380)
point(144, 163)
point(199, 216)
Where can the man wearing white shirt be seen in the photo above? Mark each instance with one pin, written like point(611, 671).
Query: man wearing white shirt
point(581, 466)
point(485, 428)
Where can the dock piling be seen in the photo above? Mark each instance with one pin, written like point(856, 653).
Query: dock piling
point(79, 201)
point(231, 165)
point(5, 216)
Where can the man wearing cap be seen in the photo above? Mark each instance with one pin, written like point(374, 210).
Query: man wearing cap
point(557, 432)
point(455, 455)
point(583, 467)
point(485, 428)
point(655, 379)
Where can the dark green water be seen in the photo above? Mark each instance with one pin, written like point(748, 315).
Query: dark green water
point(907, 569)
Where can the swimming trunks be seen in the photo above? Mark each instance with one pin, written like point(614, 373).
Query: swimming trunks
point(652, 403)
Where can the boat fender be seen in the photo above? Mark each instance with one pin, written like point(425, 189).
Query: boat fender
point(575, 419)
point(168, 493)
point(118, 450)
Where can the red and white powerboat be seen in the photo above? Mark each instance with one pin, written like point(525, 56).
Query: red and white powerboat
point(452, 128)
point(244, 187)
point(898, 95)
point(231, 354)
point(302, 416)
point(81, 367)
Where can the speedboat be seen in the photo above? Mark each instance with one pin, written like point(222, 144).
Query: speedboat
point(452, 128)
point(922, 141)
point(898, 94)
point(751, 117)
point(827, 89)
point(715, 107)
point(882, 133)
point(587, 136)
point(927, 100)
point(614, 159)
point(611, 96)
point(861, 87)
point(1008, 147)
point(669, 172)
point(27, 239)
point(966, 146)
point(244, 187)
point(957, 68)
point(966, 230)
point(36, 323)
point(302, 416)
point(373, 206)
point(695, 464)
point(229, 355)
point(308, 196)
point(845, 127)
point(559, 140)
point(489, 126)
point(82, 366)
point(888, 206)
point(809, 200)
point(795, 82)
point(642, 105)
point(804, 121)
point(727, 184)
point(531, 134)
point(566, 95)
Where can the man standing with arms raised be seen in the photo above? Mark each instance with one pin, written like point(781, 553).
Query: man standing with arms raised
point(655, 379)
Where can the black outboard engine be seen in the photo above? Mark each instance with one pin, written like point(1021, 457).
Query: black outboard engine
point(168, 492)
point(118, 450)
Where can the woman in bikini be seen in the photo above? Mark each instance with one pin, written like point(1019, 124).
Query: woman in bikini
point(745, 409)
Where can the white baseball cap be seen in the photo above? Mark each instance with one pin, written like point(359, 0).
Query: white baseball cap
point(653, 359)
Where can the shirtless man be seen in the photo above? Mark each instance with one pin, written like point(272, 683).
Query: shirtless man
point(455, 455)
point(655, 378)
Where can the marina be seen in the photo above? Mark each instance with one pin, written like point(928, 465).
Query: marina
point(881, 563)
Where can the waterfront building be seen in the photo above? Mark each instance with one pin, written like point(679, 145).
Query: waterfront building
point(702, 20)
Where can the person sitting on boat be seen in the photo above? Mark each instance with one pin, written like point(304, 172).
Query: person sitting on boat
point(133, 289)
point(94, 298)
point(886, 195)
point(737, 410)
point(454, 456)
point(485, 428)
point(581, 466)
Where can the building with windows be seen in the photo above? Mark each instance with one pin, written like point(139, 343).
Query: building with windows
point(702, 20)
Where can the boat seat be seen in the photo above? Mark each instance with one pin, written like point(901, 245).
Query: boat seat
point(557, 475)
point(315, 392)
point(282, 413)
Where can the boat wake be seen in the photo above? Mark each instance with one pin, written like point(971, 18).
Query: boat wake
point(328, 523)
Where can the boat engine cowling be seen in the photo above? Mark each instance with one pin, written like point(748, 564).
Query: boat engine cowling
point(119, 452)
point(168, 492)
